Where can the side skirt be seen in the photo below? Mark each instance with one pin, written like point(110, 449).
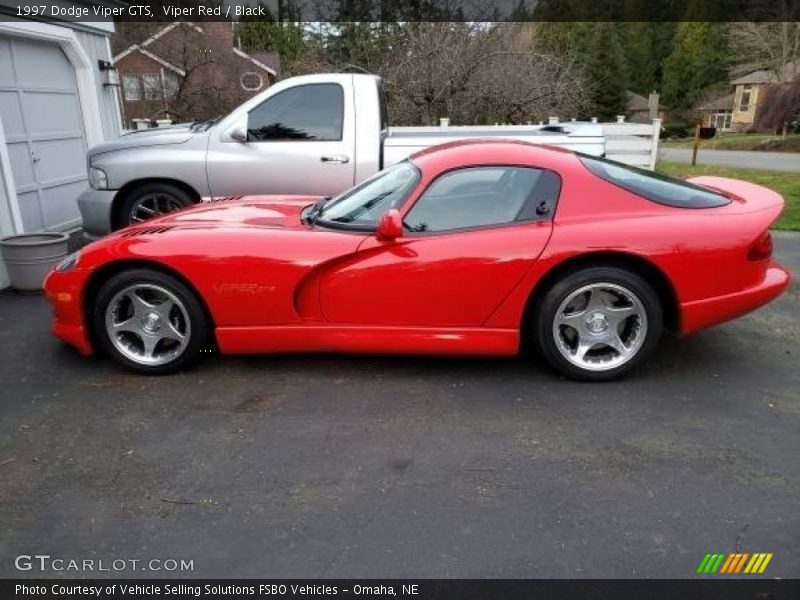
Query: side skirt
point(368, 339)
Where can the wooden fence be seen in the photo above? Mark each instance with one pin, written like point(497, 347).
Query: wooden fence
point(633, 143)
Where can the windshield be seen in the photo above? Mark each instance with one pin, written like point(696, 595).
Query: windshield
point(363, 205)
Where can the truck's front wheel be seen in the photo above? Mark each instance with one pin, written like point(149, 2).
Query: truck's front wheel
point(151, 200)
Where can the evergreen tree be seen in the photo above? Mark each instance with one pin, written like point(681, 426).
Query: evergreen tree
point(282, 33)
point(606, 72)
point(699, 60)
point(639, 45)
point(647, 44)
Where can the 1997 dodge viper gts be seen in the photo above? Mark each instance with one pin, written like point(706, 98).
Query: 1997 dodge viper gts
point(469, 248)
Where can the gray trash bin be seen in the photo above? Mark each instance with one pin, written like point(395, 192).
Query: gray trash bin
point(29, 257)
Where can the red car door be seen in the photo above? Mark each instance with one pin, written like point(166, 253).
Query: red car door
point(468, 240)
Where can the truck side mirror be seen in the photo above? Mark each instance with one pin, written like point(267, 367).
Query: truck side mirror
point(390, 226)
point(238, 134)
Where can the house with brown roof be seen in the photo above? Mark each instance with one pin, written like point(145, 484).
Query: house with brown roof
point(737, 111)
point(718, 112)
point(638, 108)
point(189, 71)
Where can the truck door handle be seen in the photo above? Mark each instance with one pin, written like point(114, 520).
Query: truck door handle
point(335, 158)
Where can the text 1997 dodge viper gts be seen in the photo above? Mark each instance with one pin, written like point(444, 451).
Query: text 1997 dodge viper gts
point(465, 248)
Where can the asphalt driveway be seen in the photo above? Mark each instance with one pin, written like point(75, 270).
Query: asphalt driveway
point(337, 466)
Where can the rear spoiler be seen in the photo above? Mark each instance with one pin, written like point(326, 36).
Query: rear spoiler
point(746, 197)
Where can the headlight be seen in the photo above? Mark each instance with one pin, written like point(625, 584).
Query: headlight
point(97, 178)
point(69, 262)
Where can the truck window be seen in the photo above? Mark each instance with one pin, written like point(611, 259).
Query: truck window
point(313, 112)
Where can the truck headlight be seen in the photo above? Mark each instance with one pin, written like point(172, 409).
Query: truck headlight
point(68, 263)
point(97, 178)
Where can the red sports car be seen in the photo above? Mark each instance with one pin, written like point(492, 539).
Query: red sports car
point(467, 248)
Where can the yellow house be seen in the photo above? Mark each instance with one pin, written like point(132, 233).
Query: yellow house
point(737, 111)
point(748, 91)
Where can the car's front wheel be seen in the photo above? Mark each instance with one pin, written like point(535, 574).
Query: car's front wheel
point(150, 321)
point(598, 323)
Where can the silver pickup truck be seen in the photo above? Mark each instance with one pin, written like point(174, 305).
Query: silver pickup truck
point(309, 135)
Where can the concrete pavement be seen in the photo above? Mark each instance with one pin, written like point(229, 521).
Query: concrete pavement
point(771, 161)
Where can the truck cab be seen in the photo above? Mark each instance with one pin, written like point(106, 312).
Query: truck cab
point(311, 135)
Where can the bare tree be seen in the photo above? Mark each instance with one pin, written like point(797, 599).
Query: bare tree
point(469, 72)
point(774, 44)
point(479, 73)
point(208, 83)
point(780, 107)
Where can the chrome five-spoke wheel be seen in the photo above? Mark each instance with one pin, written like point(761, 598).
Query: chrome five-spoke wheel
point(150, 321)
point(148, 324)
point(597, 322)
point(600, 326)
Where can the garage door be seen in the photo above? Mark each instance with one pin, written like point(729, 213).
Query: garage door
point(41, 115)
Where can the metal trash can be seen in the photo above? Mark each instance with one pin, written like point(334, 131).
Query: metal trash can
point(29, 257)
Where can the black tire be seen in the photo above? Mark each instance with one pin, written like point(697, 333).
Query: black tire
point(193, 316)
point(541, 326)
point(166, 197)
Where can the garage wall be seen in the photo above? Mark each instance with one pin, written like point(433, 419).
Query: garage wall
point(63, 169)
point(96, 46)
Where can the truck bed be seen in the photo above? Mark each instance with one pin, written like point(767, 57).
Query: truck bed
point(582, 137)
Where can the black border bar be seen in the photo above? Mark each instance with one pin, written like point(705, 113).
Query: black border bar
point(711, 588)
point(405, 10)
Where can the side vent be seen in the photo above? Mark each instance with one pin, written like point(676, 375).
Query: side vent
point(225, 199)
point(145, 231)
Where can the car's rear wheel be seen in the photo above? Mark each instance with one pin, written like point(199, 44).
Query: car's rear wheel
point(598, 323)
point(152, 200)
point(150, 321)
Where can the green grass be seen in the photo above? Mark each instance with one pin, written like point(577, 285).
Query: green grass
point(786, 184)
point(743, 141)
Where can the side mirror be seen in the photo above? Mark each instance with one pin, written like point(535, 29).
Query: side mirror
point(390, 226)
point(238, 134)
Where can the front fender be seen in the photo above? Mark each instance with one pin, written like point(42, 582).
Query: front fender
point(185, 163)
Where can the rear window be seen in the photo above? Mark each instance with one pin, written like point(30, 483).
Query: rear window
point(653, 186)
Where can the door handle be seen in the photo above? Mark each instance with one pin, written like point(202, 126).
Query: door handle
point(335, 158)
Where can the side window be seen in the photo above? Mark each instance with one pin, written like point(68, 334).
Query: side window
point(308, 112)
point(484, 196)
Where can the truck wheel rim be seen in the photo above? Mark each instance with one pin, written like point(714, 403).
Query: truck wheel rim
point(148, 324)
point(150, 206)
point(600, 326)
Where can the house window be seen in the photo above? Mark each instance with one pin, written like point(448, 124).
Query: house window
point(171, 85)
point(152, 86)
point(744, 100)
point(721, 120)
point(251, 81)
point(131, 88)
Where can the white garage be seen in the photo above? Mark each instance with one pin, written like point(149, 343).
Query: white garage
point(53, 106)
point(44, 131)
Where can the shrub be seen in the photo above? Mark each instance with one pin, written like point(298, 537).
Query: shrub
point(675, 131)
